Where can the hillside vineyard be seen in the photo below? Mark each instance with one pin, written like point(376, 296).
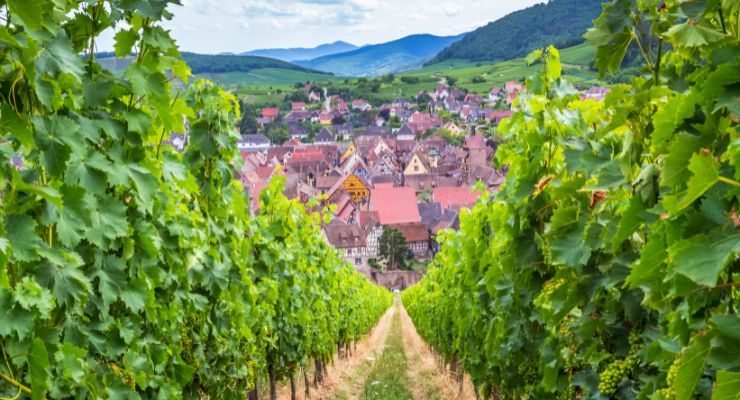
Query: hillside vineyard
point(127, 269)
point(605, 267)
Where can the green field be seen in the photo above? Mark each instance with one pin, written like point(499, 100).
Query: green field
point(269, 86)
point(269, 76)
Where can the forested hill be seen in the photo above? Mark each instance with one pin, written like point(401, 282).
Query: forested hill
point(559, 22)
point(208, 64)
point(201, 63)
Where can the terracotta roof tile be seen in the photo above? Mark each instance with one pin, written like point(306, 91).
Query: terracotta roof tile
point(395, 205)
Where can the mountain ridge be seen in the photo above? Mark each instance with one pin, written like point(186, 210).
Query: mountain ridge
point(294, 54)
point(383, 58)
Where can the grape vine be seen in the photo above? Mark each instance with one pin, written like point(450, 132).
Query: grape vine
point(128, 269)
point(606, 267)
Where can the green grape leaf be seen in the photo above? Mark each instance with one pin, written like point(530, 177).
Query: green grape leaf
point(76, 215)
point(609, 57)
point(135, 296)
point(108, 223)
point(727, 326)
point(38, 366)
point(692, 35)
point(59, 57)
point(22, 236)
point(13, 318)
point(703, 257)
point(30, 12)
point(11, 123)
point(30, 295)
point(70, 361)
point(652, 257)
point(669, 117)
point(675, 170)
point(691, 366)
point(125, 41)
point(705, 170)
point(727, 386)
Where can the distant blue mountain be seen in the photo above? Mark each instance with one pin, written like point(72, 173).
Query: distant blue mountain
point(378, 59)
point(303, 54)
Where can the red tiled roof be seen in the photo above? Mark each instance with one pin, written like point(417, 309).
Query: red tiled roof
point(265, 172)
point(455, 196)
point(308, 156)
point(395, 205)
point(416, 232)
point(367, 216)
point(475, 142)
point(270, 112)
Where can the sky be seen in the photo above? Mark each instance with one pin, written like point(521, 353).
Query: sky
point(215, 26)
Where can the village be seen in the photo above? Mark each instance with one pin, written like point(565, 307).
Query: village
point(410, 169)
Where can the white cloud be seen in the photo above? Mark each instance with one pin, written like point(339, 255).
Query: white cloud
point(450, 9)
point(213, 26)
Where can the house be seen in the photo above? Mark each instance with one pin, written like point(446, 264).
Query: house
point(494, 96)
point(279, 154)
point(473, 98)
point(297, 131)
point(326, 117)
point(430, 213)
point(406, 133)
point(597, 93)
point(417, 164)
point(314, 97)
point(417, 238)
point(395, 205)
point(298, 106)
point(453, 128)
point(477, 151)
point(346, 130)
point(455, 197)
point(355, 186)
point(253, 142)
point(342, 108)
point(513, 87)
point(297, 116)
point(308, 163)
point(324, 137)
point(441, 92)
point(270, 113)
point(496, 116)
point(369, 222)
point(360, 105)
point(420, 122)
point(491, 177)
point(349, 239)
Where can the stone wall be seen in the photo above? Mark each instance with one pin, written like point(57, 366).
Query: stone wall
point(393, 280)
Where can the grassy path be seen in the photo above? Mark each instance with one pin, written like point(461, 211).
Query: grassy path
point(392, 363)
point(389, 380)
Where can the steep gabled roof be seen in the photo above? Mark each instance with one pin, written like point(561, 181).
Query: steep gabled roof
point(395, 205)
point(455, 196)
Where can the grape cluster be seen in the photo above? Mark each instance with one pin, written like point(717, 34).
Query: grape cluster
point(668, 393)
point(568, 394)
point(614, 373)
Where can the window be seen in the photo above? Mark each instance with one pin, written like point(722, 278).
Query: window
point(416, 168)
point(358, 260)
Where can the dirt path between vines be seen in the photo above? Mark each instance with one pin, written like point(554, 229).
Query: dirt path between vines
point(345, 377)
point(428, 380)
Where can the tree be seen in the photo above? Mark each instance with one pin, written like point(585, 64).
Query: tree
point(451, 81)
point(393, 248)
point(248, 121)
